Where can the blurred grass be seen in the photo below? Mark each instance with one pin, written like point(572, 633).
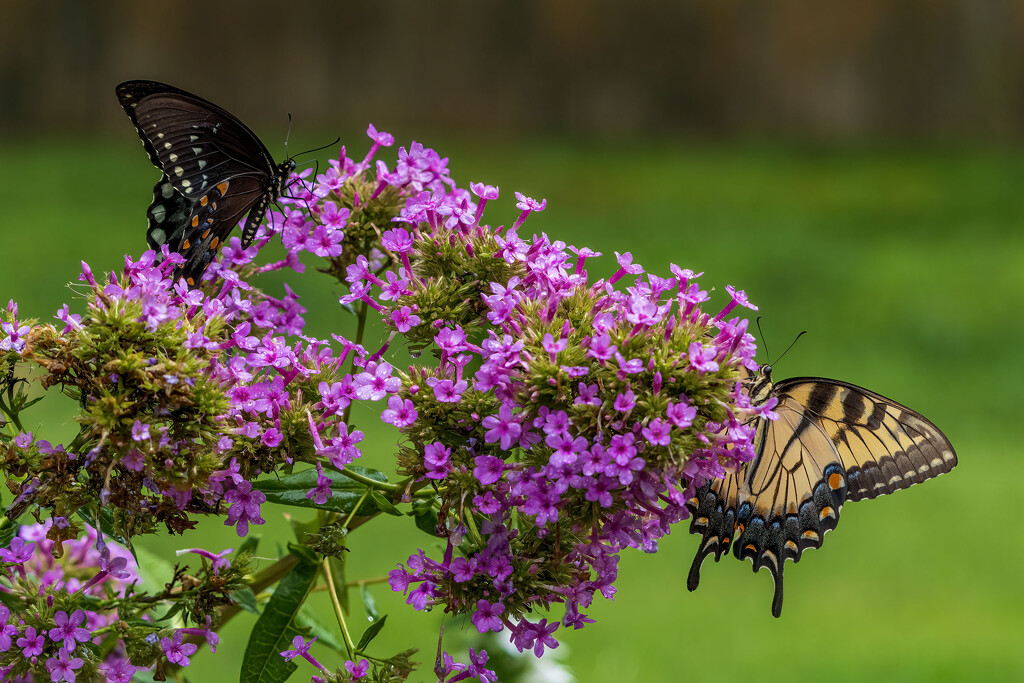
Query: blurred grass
point(906, 266)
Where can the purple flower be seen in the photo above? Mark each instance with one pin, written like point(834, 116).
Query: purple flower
point(376, 382)
point(436, 457)
point(119, 671)
point(625, 402)
point(31, 643)
point(357, 671)
point(657, 432)
point(702, 358)
point(447, 391)
point(19, 551)
point(140, 431)
point(488, 469)
point(177, 651)
point(68, 629)
point(244, 507)
point(23, 440)
point(300, 648)
point(322, 491)
point(681, 414)
point(503, 428)
point(62, 667)
point(487, 616)
point(400, 412)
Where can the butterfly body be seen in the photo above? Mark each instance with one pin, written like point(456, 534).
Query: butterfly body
point(215, 170)
point(833, 442)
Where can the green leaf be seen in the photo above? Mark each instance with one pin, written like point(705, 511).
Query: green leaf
point(105, 523)
point(383, 504)
point(251, 542)
point(370, 633)
point(7, 534)
point(309, 621)
point(245, 599)
point(345, 492)
point(369, 604)
point(427, 521)
point(277, 626)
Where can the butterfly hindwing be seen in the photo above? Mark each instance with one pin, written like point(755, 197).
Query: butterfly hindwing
point(215, 170)
point(832, 442)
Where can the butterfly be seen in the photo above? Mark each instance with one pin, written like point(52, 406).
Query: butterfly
point(214, 170)
point(832, 442)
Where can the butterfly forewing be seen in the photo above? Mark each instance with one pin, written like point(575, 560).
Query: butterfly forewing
point(833, 441)
point(215, 170)
point(883, 445)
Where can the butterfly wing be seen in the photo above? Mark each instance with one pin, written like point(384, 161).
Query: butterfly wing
point(214, 168)
point(833, 442)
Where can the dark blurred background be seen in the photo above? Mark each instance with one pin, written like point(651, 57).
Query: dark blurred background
point(923, 69)
point(855, 167)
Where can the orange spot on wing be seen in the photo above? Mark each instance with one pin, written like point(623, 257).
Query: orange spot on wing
point(825, 512)
point(751, 546)
point(223, 188)
point(205, 234)
point(835, 481)
point(186, 244)
point(195, 220)
point(191, 282)
point(215, 243)
point(204, 200)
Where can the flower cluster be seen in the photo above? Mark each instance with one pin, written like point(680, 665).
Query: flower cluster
point(73, 618)
point(564, 420)
point(561, 418)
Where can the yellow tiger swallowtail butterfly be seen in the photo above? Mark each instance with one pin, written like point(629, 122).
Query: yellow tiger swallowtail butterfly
point(832, 442)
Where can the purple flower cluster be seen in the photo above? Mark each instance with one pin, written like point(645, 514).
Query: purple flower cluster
point(63, 631)
point(564, 420)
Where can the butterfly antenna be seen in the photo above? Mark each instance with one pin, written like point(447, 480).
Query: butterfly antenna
point(288, 135)
point(329, 144)
point(760, 335)
point(790, 346)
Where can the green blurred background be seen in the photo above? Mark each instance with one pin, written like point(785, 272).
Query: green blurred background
point(856, 170)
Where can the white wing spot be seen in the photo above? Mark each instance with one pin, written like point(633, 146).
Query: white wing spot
point(922, 469)
point(186, 183)
point(160, 135)
point(158, 235)
point(193, 138)
point(936, 462)
point(197, 150)
point(167, 190)
point(178, 171)
point(167, 145)
point(173, 157)
point(895, 478)
point(159, 213)
point(202, 165)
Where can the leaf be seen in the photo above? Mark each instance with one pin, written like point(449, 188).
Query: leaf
point(249, 545)
point(245, 599)
point(369, 604)
point(384, 505)
point(370, 633)
point(427, 521)
point(8, 533)
point(309, 621)
point(105, 523)
point(345, 492)
point(277, 626)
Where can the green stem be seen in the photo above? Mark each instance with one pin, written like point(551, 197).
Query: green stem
point(339, 613)
point(371, 483)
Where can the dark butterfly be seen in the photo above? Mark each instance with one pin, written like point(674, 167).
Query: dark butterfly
point(214, 171)
point(833, 442)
